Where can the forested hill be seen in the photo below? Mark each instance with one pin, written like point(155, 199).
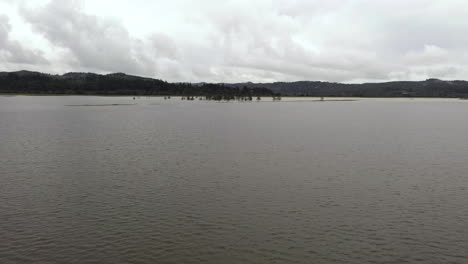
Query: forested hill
point(26, 82)
point(428, 88)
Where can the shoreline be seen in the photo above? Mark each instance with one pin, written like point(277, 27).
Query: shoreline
point(177, 96)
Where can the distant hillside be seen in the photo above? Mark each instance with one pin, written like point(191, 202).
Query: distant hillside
point(26, 82)
point(428, 88)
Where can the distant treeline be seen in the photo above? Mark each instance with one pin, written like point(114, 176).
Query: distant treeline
point(427, 88)
point(25, 82)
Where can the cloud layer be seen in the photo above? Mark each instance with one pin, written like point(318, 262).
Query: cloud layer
point(239, 40)
point(12, 51)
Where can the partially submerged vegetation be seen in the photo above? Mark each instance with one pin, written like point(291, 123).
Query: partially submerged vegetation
point(226, 98)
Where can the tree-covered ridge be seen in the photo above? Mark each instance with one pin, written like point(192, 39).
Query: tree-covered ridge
point(25, 82)
point(427, 88)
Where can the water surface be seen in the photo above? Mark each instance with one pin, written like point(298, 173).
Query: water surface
point(155, 181)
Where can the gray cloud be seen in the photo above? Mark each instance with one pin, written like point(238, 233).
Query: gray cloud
point(94, 43)
point(262, 40)
point(12, 52)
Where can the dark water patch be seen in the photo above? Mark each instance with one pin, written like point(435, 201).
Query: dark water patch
point(99, 104)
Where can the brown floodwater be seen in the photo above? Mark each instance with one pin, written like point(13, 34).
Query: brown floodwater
point(117, 180)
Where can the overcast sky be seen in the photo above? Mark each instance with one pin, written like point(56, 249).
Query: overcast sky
point(239, 40)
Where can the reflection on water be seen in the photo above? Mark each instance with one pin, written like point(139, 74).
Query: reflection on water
point(367, 181)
